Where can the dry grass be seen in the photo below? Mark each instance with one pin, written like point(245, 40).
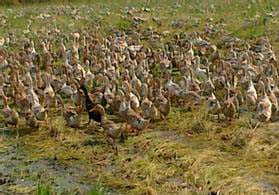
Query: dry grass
point(167, 159)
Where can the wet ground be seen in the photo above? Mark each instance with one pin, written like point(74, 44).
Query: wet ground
point(19, 174)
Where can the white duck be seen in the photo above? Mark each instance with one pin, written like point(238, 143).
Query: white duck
point(148, 108)
point(251, 94)
point(66, 90)
point(135, 103)
point(264, 106)
point(172, 87)
point(38, 110)
point(213, 105)
point(200, 73)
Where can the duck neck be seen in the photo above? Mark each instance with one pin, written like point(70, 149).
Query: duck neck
point(228, 93)
point(5, 101)
point(87, 98)
point(83, 88)
point(185, 82)
point(145, 95)
point(263, 89)
point(269, 90)
point(129, 104)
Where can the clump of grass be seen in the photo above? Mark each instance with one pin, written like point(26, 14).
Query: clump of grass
point(124, 25)
point(198, 127)
point(43, 189)
point(98, 190)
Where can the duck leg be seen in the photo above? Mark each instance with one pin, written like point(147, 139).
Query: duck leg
point(126, 128)
point(256, 126)
point(89, 121)
point(112, 143)
point(114, 146)
point(52, 130)
point(123, 137)
point(50, 119)
point(250, 117)
point(115, 150)
point(134, 130)
point(218, 117)
point(17, 133)
point(163, 117)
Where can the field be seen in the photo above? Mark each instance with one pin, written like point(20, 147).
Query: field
point(186, 154)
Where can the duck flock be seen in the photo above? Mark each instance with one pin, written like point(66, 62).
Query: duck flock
point(116, 74)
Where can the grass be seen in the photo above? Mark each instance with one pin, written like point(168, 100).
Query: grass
point(98, 190)
point(167, 159)
point(167, 11)
point(43, 189)
point(188, 154)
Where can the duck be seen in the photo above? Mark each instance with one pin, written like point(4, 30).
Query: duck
point(229, 107)
point(135, 82)
point(273, 99)
point(11, 116)
point(72, 117)
point(38, 110)
point(208, 86)
point(213, 105)
point(200, 73)
point(162, 103)
point(134, 119)
point(264, 106)
point(49, 96)
point(135, 103)
point(171, 86)
point(149, 109)
point(32, 95)
point(112, 130)
point(251, 95)
point(50, 102)
point(30, 119)
point(66, 90)
point(21, 99)
point(77, 98)
point(109, 94)
point(188, 96)
point(2, 41)
point(89, 105)
point(123, 105)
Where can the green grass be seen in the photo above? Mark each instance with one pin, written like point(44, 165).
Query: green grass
point(43, 189)
point(190, 11)
point(98, 190)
